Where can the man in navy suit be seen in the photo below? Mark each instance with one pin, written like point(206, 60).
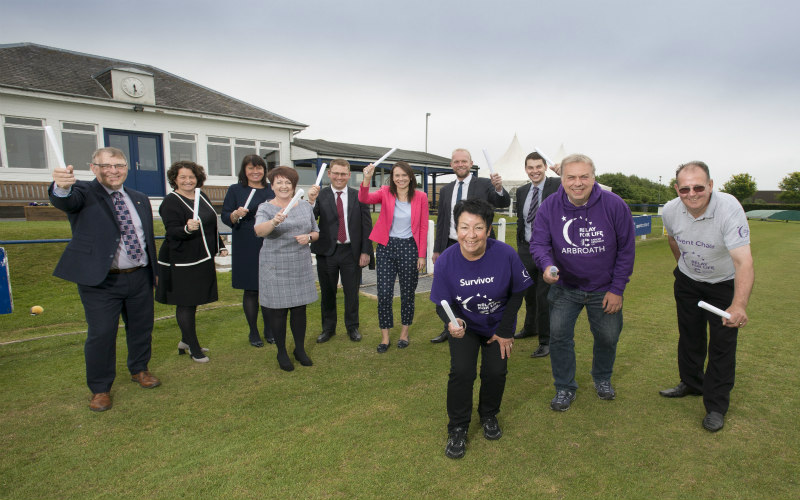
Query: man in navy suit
point(111, 258)
point(529, 199)
point(342, 249)
point(465, 187)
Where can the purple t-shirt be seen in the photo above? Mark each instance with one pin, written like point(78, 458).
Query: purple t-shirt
point(478, 290)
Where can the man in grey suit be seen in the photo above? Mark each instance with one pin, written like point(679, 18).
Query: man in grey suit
point(342, 249)
point(112, 258)
point(529, 198)
point(464, 187)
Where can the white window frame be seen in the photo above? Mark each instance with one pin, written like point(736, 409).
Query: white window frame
point(4, 161)
point(82, 165)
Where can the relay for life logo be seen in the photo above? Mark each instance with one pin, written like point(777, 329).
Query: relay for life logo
point(583, 238)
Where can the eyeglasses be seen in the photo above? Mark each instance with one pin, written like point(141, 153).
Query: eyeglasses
point(108, 166)
point(697, 189)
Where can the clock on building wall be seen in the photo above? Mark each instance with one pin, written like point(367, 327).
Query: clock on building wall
point(133, 86)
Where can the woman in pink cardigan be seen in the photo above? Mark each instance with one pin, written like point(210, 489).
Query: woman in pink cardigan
point(402, 237)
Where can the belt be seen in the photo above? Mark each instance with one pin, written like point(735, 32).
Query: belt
point(124, 271)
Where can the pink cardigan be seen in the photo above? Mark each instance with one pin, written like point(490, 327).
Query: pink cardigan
point(419, 216)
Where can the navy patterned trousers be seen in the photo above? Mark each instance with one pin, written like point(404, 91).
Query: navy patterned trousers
point(398, 259)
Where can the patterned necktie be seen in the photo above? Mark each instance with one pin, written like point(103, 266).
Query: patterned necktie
point(534, 205)
point(132, 246)
point(458, 195)
point(342, 236)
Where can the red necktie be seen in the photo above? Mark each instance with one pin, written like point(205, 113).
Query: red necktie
point(340, 212)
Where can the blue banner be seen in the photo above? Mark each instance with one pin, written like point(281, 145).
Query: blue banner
point(643, 224)
point(6, 303)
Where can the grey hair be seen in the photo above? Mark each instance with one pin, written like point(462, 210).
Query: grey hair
point(699, 164)
point(577, 158)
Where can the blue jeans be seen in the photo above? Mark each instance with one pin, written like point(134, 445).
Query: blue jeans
point(565, 305)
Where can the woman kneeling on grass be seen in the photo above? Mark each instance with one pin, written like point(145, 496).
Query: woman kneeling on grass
point(484, 281)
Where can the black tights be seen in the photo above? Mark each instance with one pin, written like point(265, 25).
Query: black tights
point(250, 306)
point(186, 322)
point(297, 322)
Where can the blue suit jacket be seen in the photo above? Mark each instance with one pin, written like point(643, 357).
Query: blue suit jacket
point(95, 232)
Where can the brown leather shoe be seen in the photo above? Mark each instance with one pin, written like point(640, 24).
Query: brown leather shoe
point(146, 379)
point(100, 401)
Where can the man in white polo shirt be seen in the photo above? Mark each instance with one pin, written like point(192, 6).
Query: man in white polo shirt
point(710, 239)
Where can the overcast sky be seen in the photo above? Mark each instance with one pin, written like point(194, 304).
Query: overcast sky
point(638, 86)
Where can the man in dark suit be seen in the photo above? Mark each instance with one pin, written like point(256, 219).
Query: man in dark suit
point(529, 198)
point(112, 258)
point(464, 187)
point(342, 249)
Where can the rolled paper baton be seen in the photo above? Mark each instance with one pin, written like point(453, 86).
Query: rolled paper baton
point(715, 310)
point(296, 197)
point(319, 175)
point(488, 161)
point(546, 159)
point(380, 160)
point(553, 271)
point(51, 136)
point(249, 198)
point(449, 312)
point(196, 215)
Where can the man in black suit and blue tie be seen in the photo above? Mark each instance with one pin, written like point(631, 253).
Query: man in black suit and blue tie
point(343, 247)
point(111, 258)
point(529, 198)
point(465, 187)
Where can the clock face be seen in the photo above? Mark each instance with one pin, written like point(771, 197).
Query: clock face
point(133, 86)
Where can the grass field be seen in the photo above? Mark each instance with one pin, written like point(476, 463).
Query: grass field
point(362, 425)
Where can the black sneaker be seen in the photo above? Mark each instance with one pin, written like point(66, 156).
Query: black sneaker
point(562, 400)
point(491, 429)
point(456, 443)
point(604, 390)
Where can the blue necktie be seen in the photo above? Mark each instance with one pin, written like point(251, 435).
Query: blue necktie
point(458, 195)
point(132, 246)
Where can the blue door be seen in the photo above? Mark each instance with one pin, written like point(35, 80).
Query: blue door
point(145, 158)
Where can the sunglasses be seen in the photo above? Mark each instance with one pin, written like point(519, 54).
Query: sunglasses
point(697, 189)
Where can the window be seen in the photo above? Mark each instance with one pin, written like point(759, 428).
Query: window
point(25, 144)
point(182, 147)
point(271, 153)
point(219, 156)
point(243, 147)
point(308, 175)
point(80, 142)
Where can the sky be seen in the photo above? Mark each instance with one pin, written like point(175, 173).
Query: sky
point(638, 86)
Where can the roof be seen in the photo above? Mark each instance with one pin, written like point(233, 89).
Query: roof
point(34, 67)
point(326, 149)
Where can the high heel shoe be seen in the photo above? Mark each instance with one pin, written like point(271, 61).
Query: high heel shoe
point(302, 358)
point(204, 359)
point(183, 348)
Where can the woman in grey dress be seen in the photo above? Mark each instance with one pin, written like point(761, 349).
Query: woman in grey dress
point(286, 279)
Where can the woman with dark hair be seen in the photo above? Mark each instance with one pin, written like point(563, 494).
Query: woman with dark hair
point(187, 276)
point(286, 278)
point(401, 233)
point(246, 245)
point(484, 281)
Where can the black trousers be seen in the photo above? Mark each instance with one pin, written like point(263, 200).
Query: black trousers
point(129, 295)
point(341, 263)
point(463, 361)
point(701, 333)
point(537, 309)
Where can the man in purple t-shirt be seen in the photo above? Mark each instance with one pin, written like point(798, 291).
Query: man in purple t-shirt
point(484, 282)
point(583, 239)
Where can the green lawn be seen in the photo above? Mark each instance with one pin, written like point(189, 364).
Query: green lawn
point(362, 425)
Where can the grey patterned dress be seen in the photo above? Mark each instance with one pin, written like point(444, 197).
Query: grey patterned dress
point(285, 276)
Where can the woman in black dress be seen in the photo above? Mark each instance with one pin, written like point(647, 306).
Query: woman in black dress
point(246, 245)
point(187, 276)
